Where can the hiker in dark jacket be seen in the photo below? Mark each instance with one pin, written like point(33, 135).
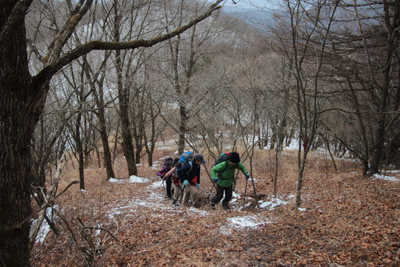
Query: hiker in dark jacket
point(223, 175)
point(167, 178)
point(189, 179)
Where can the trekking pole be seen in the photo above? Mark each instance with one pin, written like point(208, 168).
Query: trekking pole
point(245, 190)
point(210, 191)
point(162, 184)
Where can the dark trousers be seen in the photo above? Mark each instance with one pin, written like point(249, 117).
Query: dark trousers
point(168, 182)
point(220, 194)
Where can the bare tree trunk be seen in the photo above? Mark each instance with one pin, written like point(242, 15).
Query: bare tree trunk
point(106, 147)
point(123, 97)
point(79, 152)
point(18, 99)
point(380, 132)
point(99, 98)
point(182, 128)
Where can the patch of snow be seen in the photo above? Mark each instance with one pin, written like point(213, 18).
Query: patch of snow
point(393, 171)
point(384, 177)
point(157, 185)
point(113, 180)
point(164, 147)
point(136, 179)
point(44, 228)
point(270, 205)
point(247, 221)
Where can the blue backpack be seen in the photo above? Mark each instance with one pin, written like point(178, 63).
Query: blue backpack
point(185, 158)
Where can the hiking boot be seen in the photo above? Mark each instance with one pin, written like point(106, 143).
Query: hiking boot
point(225, 206)
point(197, 205)
point(174, 202)
point(212, 206)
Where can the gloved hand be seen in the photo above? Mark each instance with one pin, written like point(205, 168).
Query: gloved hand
point(198, 186)
point(186, 182)
point(215, 180)
point(247, 176)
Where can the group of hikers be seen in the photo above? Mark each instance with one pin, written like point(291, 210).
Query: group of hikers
point(182, 178)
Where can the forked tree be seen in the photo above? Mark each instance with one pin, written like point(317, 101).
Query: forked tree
point(23, 97)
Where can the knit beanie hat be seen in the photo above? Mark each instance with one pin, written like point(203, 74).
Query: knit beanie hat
point(234, 157)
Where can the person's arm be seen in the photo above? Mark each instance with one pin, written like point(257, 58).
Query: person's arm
point(162, 170)
point(217, 169)
point(242, 168)
point(198, 175)
point(181, 171)
point(170, 172)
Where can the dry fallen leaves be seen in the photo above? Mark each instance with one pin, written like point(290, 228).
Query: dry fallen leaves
point(349, 221)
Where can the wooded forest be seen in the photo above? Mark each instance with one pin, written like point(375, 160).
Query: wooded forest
point(83, 82)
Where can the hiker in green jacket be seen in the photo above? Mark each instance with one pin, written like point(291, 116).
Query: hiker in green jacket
point(223, 175)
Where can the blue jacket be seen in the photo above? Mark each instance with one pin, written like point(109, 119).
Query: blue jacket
point(185, 174)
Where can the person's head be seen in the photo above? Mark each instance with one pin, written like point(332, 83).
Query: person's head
point(198, 159)
point(233, 158)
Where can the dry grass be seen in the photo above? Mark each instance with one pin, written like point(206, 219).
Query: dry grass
point(350, 220)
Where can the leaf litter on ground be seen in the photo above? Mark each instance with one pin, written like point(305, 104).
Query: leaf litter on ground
point(344, 219)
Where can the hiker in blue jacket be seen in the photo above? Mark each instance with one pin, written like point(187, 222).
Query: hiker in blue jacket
point(189, 179)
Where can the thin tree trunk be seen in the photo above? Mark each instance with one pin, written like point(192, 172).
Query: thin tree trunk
point(79, 151)
point(106, 147)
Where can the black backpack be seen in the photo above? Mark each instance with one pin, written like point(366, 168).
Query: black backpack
point(223, 157)
point(168, 162)
point(175, 161)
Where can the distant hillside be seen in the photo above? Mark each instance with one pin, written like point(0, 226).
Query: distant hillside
point(249, 15)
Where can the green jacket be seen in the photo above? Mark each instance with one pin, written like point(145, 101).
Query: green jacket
point(226, 172)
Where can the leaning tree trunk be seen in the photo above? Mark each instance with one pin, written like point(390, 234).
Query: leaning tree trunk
point(20, 107)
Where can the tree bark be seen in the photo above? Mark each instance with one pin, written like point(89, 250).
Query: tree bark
point(18, 99)
point(380, 131)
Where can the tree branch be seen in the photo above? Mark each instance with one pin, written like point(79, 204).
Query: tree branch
point(59, 63)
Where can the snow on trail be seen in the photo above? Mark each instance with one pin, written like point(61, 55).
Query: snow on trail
point(154, 200)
